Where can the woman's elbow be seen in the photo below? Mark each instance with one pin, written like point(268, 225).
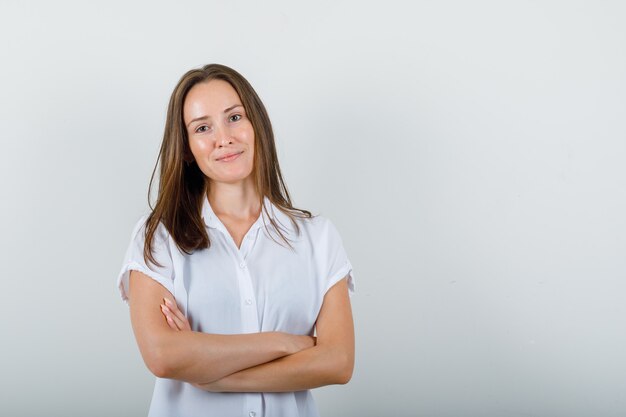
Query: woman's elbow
point(343, 368)
point(157, 362)
point(345, 372)
point(344, 378)
point(158, 365)
point(157, 356)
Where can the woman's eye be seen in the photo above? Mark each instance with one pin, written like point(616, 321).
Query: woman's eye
point(235, 117)
point(202, 129)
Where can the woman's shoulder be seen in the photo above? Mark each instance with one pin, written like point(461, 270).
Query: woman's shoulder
point(317, 225)
point(316, 221)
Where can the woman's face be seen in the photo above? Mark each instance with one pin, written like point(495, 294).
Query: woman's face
point(220, 134)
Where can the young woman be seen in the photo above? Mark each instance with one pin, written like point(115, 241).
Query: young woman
point(226, 281)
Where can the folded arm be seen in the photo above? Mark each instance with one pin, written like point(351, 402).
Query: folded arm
point(330, 361)
point(197, 357)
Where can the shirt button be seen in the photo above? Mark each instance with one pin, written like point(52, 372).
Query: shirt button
point(243, 264)
point(252, 414)
point(248, 301)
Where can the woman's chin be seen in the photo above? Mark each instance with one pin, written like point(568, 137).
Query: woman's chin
point(231, 179)
point(230, 176)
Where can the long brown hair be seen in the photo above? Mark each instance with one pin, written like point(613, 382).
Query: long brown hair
point(182, 185)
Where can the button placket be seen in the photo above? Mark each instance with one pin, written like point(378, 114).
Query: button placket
point(254, 404)
point(248, 242)
point(249, 313)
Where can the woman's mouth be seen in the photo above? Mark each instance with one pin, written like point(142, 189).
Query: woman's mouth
point(230, 157)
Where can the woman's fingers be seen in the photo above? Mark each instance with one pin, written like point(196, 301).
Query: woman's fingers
point(175, 318)
point(168, 317)
point(172, 324)
point(178, 316)
point(169, 314)
point(174, 309)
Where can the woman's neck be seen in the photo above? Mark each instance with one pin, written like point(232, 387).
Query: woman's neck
point(236, 201)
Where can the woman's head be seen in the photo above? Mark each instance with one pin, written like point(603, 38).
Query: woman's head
point(190, 148)
point(219, 133)
point(192, 87)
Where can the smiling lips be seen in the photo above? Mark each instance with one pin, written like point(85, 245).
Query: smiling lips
point(229, 157)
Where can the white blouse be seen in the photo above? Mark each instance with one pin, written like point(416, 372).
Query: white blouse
point(262, 286)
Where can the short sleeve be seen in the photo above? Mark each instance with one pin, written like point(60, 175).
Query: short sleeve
point(333, 258)
point(134, 260)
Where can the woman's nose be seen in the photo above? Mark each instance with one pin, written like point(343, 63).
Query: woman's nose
point(222, 137)
point(225, 142)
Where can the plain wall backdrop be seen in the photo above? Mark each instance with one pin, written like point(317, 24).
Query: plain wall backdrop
point(471, 154)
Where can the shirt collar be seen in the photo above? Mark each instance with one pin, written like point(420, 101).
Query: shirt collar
point(283, 220)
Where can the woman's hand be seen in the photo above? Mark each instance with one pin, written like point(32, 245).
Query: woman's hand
point(175, 318)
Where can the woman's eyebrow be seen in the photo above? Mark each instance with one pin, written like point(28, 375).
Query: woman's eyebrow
point(208, 117)
point(232, 107)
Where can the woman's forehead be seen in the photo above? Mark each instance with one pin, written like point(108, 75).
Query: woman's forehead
point(210, 98)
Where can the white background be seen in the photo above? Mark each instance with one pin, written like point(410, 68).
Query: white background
point(471, 155)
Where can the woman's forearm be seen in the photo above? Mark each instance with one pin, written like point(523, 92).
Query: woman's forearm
point(199, 357)
point(330, 361)
point(310, 368)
